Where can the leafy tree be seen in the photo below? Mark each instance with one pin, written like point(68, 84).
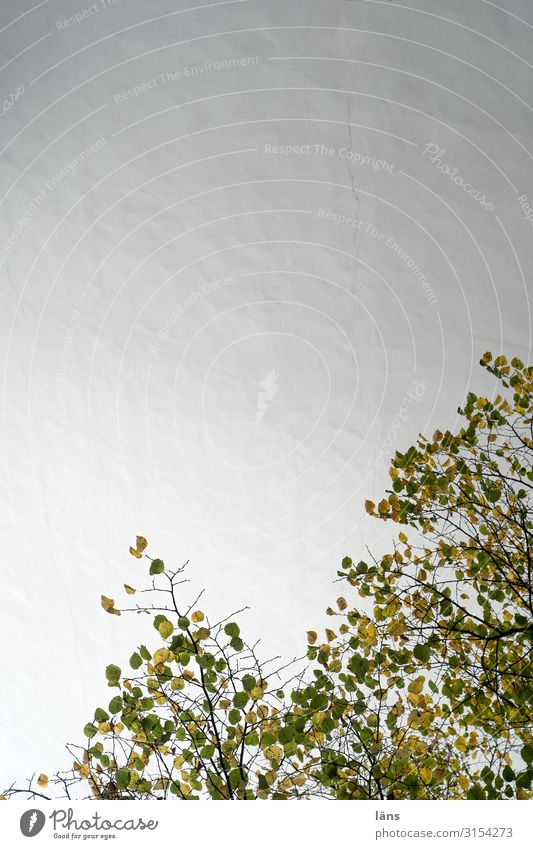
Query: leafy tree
point(424, 688)
point(452, 606)
point(194, 716)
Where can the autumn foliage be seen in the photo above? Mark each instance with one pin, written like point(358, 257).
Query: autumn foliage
point(422, 688)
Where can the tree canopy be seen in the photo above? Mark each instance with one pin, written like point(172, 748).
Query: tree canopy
point(422, 688)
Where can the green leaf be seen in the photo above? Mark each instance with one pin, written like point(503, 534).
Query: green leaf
point(240, 700)
point(476, 792)
point(286, 734)
point(156, 567)
point(90, 730)
point(234, 716)
point(115, 705)
point(135, 660)
point(145, 654)
point(183, 623)
point(232, 629)
point(235, 778)
point(237, 644)
point(96, 753)
point(248, 682)
point(122, 778)
point(113, 673)
point(267, 739)
point(527, 753)
point(143, 786)
point(262, 782)
point(358, 665)
point(100, 715)
point(422, 652)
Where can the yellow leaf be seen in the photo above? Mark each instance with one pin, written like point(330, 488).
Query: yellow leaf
point(178, 762)
point(140, 543)
point(109, 605)
point(398, 708)
point(165, 628)
point(402, 537)
point(463, 782)
point(397, 627)
point(84, 771)
point(42, 781)
point(129, 589)
point(342, 604)
point(417, 685)
point(460, 744)
point(273, 753)
point(197, 616)
point(311, 637)
point(383, 506)
point(426, 774)
point(330, 635)
point(367, 632)
point(135, 552)
point(370, 506)
point(162, 655)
